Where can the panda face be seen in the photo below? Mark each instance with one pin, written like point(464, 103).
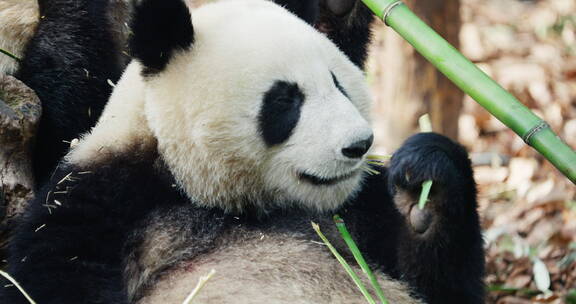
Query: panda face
point(316, 139)
point(261, 110)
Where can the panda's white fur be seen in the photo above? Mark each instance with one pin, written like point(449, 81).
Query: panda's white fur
point(18, 20)
point(203, 111)
point(121, 126)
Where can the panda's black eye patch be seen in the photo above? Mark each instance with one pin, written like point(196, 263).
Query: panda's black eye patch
point(280, 112)
point(338, 86)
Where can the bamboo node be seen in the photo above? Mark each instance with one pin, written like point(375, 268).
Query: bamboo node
point(388, 10)
point(537, 128)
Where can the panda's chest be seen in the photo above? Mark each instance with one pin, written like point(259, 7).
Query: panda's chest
point(278, 261)
point(178, 246)
point(259, 268)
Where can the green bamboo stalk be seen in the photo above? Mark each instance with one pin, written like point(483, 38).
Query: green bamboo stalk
point(425, 126)
point(477, 84)
point(426, 186)
point(345, 265)
point(3, 51)
point(359, 257)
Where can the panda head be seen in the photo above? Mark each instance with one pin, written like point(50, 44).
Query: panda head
point(251, 107)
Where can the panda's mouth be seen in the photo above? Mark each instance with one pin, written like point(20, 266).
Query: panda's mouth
point(324, 181)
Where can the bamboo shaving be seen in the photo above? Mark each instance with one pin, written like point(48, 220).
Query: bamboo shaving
point(201, 282)
point(13, 281)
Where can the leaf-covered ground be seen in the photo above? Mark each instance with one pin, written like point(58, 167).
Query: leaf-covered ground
point(528, 207)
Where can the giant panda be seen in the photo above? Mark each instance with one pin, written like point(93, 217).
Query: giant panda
point(234, 127)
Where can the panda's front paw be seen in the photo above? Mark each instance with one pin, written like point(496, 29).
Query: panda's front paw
point(339, 7)
point(429, 156)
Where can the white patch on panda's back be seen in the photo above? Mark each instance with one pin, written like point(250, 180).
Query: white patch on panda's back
point(122, 128)
point(18, 20)
point(270, 268)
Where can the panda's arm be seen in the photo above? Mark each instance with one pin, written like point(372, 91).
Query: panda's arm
point(346, 22)
point(438, 251)
point(71, 245)
point(69, 63)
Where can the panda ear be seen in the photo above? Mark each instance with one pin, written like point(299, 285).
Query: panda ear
point(159, 28)
point(306, 10)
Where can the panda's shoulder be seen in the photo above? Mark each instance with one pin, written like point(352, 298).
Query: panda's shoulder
point(128, 182)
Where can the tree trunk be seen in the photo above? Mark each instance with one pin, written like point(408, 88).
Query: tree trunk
point(19, 115)
point(407, 86)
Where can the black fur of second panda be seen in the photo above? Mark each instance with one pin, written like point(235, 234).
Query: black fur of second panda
point(69, 62)
point(75, 253)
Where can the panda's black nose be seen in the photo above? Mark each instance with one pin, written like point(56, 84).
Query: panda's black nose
point(359, 148)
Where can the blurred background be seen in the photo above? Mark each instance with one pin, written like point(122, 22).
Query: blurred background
point(528, 207)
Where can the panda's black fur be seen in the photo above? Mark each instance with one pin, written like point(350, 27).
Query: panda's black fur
point(88, 223)
point(69, 65)
point(169, 34)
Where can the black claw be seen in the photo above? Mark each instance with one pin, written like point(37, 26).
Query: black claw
point(420, 219)
point(429, 156)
